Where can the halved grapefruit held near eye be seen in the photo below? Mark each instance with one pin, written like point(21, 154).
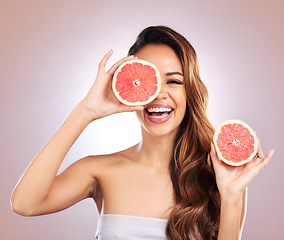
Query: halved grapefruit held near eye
point(235, 142)
point(136, 82)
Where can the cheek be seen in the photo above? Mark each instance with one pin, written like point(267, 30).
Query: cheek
point(181, 101)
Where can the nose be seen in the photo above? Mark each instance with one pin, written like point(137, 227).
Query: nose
point(163, 94)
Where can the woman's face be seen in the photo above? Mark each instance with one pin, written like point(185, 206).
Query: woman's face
point(164, 115)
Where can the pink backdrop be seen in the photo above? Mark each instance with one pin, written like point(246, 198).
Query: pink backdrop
point(49, 52)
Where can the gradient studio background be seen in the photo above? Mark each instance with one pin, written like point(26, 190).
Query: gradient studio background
point(49, 51)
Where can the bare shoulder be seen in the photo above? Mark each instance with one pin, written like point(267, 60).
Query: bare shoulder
point(101, 164)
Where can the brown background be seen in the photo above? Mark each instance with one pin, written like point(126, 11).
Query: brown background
point(49, 51)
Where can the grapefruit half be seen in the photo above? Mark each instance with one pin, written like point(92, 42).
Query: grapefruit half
point(136, 82)
point(235, 142)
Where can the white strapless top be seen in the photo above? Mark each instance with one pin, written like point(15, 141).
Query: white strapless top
point(126, 227)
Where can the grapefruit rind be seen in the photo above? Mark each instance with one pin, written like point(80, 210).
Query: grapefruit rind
point(219, 153)
point(137, 103)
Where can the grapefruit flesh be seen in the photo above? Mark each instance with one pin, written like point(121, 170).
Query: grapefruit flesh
point(136, 82)
point(235, 142)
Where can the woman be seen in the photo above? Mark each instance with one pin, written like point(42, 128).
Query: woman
point(165, 187)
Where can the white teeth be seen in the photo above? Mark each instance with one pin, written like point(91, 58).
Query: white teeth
point(153, 109)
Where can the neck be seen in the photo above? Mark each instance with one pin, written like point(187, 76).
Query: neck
point(156, 151)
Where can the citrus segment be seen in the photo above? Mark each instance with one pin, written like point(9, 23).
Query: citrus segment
point(235, 142)
point(136, 82)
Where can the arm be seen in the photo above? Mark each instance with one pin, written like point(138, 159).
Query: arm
point(232, 183)
point(40, 191)
point(34, 186)
point(232, 217)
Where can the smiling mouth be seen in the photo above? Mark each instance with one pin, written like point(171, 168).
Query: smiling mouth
point(159, 113)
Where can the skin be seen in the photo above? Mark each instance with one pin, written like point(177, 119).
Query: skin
point(124, 181)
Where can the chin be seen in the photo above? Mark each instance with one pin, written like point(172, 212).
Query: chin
point(157, 128)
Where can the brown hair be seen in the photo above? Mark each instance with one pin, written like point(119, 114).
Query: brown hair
point(197, 211)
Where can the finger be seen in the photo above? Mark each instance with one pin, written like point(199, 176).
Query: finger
point(265, 161)
point(214, 156)
point(213, 152)
point(104, 60)
point(116, 65)
point(125, 108)
point(268, 157)
point(259, 151)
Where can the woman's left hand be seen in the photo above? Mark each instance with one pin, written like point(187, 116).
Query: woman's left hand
point(231, 180)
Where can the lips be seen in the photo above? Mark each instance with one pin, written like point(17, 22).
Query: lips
point(158, 113)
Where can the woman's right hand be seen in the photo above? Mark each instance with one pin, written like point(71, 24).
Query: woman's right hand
point(41, 190)
point(100, 100)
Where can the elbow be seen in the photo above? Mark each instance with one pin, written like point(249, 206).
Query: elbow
point(20, 211)
point(19, 208)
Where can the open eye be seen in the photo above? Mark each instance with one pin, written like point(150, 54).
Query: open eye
point(174, 81)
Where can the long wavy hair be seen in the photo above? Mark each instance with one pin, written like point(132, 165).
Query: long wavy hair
point(196, 214)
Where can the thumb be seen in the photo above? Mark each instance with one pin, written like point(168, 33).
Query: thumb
point(125, 108)
point(215, 159)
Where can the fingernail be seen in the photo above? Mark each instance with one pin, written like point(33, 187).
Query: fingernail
point(273, 150)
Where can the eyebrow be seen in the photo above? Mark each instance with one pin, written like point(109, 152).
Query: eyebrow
point(173, 73)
